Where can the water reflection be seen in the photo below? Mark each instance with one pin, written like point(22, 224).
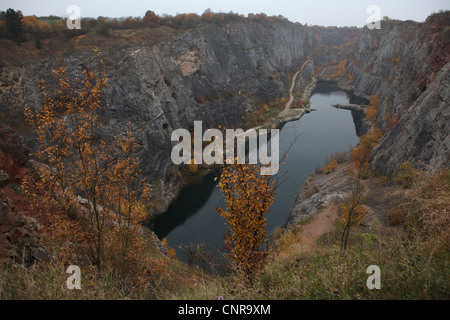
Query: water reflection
point(192, 216)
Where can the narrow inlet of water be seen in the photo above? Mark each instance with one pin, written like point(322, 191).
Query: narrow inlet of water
point(192, 217)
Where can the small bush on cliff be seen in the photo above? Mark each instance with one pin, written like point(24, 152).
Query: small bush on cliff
point(372, 110)
point(405, 175)
point(361, 153)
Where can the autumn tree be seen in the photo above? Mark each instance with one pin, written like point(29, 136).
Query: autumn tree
point(207, 15)
point(248, 197)
point(91, 179)
point(352, 210)
point(361, 153)
point(151, 18)
point(33, 25)
point(373, 109)
point(405, 174)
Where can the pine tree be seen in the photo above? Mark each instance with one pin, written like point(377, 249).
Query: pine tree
point(14, 25)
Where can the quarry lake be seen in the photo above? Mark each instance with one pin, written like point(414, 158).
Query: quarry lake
point(192, 217)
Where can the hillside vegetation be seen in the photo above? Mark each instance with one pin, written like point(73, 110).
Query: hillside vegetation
point(412, 249)
point(84, 199)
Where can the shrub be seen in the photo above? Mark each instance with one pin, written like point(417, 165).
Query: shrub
point(361, 153)
point(306, 103)
point(397, 61)
point(405, 175)
point(428, 216)
point(331, 167)
point(200, 99)
point(289, 239)
point(392, 121)
point(372, 109)
point(396, 217)
point(351, 77)
point(170, 251)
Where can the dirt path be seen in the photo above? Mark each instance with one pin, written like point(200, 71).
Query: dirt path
point(291, 89)
point(321, 224)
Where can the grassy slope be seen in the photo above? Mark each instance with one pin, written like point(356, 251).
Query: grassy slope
point(414, 258)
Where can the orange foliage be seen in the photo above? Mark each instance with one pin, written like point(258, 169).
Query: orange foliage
point(392, 121)
point(371, 114)
point(104, 172)
point(372, 109)
point(170, 251)
point(289, 239)
point(248, 197)
point(351, 77)
point(374, 102)
point(353, 217)
point(340, 69)
point(332, 166)
point(361, 153)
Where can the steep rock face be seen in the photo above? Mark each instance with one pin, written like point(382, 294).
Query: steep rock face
point(423, 133)
point(211, 74)
point(406, 66)
point(215, 73)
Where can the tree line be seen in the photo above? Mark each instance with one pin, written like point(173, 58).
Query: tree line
point(14, 25)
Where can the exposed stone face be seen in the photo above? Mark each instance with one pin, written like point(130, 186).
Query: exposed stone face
point(19, 236)
point(407, 67)
point(215, 73)
point(194, 76)
point(408, 71)
point(422, 135)
point(318, 191)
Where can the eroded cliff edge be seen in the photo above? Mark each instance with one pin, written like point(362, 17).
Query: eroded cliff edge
point(212, 73)
point(406, 65)
point(215, 73)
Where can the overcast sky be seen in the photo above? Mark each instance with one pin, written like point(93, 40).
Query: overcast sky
point(320, 12)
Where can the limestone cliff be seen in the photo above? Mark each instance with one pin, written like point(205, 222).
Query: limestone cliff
point(211, 74)
point(215, 73)
point(406, 65)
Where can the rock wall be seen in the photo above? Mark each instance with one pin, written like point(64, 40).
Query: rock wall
point(19, 232)
point(405, 64)
point(211, 74)
point(215, 73)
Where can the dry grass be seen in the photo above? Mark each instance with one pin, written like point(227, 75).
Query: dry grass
point(414, 263)
point(429, 203)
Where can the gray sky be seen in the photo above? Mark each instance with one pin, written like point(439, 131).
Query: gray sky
point(321, 12)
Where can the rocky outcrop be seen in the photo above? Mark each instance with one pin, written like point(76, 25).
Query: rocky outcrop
point(318, 191)
point(405, 64)
point(19, 233)
point(215, 73)
point(422, 135)
point(211, 74)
